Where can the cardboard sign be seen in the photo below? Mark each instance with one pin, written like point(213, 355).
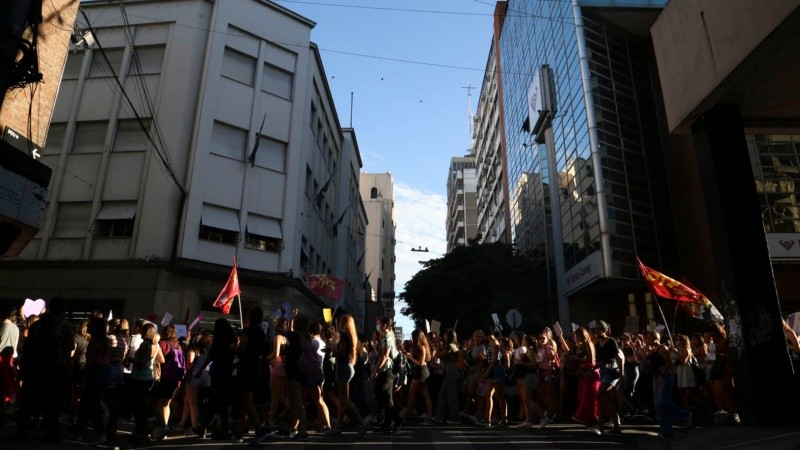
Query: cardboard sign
point(287, 311)
point(327, 315)
point(436, 327)
point(496, 320)
point(575, 327)
point(794, 322)
point(557, 331)
point(110, 315)
point(196, 321)
point(632, 324)
point(181, 330)
point(427, 326)
point(593, 325)
point(166, 319)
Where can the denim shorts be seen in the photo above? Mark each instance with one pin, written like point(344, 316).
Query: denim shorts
point(609, 375)
point(344, 372)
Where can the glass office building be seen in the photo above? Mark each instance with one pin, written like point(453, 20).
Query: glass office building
point(596, 182)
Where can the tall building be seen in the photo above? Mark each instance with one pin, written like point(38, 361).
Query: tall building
point(462, 224)
point(377, 190)
point(585, 160)
point(186, 134)
point(490, 157)
point(35, 43)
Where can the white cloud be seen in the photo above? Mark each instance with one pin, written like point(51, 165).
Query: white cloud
point(420, 223)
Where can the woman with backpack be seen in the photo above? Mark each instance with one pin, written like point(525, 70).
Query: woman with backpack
point(172, 372)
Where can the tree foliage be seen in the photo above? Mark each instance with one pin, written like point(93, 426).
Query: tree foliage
point(472, 282)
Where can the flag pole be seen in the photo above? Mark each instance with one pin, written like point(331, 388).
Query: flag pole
point(241, 320)
point(666, 325)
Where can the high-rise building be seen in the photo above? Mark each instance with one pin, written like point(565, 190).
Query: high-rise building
point(585, 160)
point(489, 152)
point(186, 134)
point(461, 202)
point(377, 190)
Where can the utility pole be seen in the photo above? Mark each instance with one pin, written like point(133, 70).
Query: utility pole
point(469, 89)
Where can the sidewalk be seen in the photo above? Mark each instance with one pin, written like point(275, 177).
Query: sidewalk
point(728, 437)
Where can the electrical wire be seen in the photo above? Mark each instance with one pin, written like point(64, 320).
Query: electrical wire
point(130, 102)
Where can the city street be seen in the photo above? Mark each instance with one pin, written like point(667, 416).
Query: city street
point(556, 436)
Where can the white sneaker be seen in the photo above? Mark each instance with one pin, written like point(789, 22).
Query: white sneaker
point(595, 429)
point(370, 418)
point(545, 421)
point(525, 424)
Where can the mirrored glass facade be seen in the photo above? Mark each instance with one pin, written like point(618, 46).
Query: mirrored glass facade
point(631, 153)
point(776, 170)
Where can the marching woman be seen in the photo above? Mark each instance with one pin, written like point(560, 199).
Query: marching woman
point(588, 380)
point(659, 364)
point(609, 358)
point(549, 365)
point(142, 380)
point(418, 357)
point(345, 360)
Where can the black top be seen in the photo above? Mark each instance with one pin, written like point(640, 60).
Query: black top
point(292, 356)
point(249, 358)
point(608, 351)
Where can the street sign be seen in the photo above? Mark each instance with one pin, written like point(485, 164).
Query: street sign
point(514, 318)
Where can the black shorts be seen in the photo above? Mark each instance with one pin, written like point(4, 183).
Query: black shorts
point(165, 389)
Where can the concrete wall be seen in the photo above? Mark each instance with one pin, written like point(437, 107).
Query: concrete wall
point(700, 43)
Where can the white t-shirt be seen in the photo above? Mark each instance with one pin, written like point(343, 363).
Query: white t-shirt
point(9, 336)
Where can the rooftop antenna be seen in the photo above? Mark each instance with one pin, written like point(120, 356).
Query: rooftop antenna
point(469, 89)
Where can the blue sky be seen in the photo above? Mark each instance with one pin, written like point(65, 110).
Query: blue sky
point(410, 117)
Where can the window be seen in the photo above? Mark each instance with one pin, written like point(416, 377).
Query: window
point(263, 234)
point(100, 67)
point(219, 224)
point(150, 60)
point(90, 137)
point(373, 193)
point(228, 141)
point(238, 66)
point(115, 219)
point(72, 67)
point(130, 136)
point(277, 81)
point(55, 138)
point(271, 154)
point(73, 220)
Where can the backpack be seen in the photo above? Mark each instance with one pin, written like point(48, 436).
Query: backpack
point(399, 364)
point(174, 366)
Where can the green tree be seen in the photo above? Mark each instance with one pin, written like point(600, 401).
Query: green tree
point(474, 281)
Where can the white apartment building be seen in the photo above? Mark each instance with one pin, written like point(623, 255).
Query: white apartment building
point(377, 190)
point(462, 214)
point(158, 184)
point(489, 152)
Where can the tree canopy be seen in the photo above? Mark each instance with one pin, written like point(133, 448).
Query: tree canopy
point(472, 282)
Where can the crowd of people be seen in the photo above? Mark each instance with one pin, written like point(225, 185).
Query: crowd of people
point(286, 377)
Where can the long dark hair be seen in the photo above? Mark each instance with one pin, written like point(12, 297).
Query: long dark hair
point(223, 332)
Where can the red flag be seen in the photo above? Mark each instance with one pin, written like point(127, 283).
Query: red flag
point(326, 286)
point(231, 290)
point(690, 300)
